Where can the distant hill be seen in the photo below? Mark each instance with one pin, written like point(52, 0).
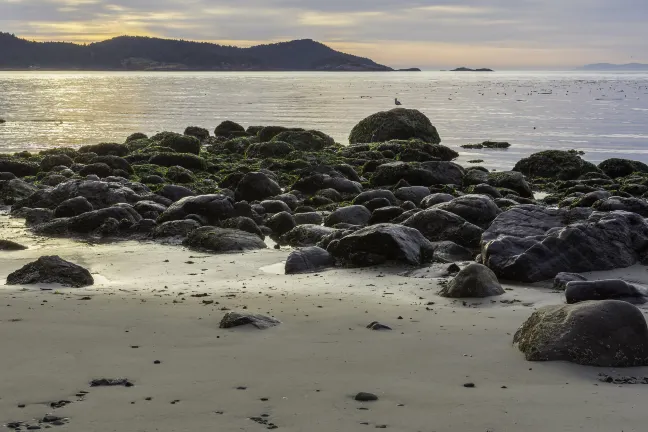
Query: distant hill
point(615, 67)
point(465, 69)
point(144, 53)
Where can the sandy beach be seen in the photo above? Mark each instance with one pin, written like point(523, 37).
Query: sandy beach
point(301, 375)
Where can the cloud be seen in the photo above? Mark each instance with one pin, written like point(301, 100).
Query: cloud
point(426, 33)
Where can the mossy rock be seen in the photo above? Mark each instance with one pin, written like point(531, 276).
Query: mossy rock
point(554, 164)
point(616, 168)
point(269, 149)
point(311, 140)
point(197, 132)
point(106, 149)
point(269, 132)
point(70, 152)
point(185, 160)
point(135, 137)
point(179, 143)
point(228, 128)
point(399, 123)
point(139, 144)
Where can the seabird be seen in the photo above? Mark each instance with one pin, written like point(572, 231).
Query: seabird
point(397, 102)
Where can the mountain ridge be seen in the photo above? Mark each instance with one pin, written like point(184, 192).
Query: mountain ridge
point(147, 53)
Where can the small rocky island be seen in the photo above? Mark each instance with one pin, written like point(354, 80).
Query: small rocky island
point(465, 69)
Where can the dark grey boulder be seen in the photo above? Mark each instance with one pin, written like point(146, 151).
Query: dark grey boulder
point(101, 170)
point(308, 218)
point(439, 225)
point(608, 333)
point(175, 192)
point(385, 214)
point(445, 172)
point(555, 164)
point(256, 186)
point(616, 167)
point(511, 180)
point(474, 281)
point(604, 241)
point(562, 279)
point(275, 206)
point(479, 210)
point(383, 242)
point(449, 252)
point(434, 199)
point(373, 194)
point(15, 190)
point(485, 189)
point(306, 235)
point(19, 168)
point(73, 207)
point(281, 223)
point(414, 194)
point(244, 224)
point(51, 269)
point(610, 289)
point(178, 228)
point(398, 123)
point(8, 245)
point(222, 240)
point(415, 174)
point(104, 149)
point(54, 160)
point(634, 205)
point(213, 208)
point(237, 319)
point(34, 216)
point(228, 128)
point(309, 259)
point(353, 215)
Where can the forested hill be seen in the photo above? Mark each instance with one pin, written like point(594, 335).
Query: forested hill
point(144, 53)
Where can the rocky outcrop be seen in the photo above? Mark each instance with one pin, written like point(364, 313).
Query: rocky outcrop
point(522, 246)
point(309, 259)
point(49, 270)
point(399, 123)
point(611, 289)
point(383, 242)
point(474, 281)
point(554, 164)
point(608, 333)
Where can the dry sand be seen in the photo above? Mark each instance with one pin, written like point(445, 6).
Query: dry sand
point(141, 309)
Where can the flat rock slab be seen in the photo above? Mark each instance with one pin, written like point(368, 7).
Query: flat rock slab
point(237, 319)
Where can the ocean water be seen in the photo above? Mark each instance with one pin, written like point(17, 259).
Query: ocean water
point(603, 114)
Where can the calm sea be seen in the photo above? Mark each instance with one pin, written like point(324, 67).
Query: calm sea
point(603, 114)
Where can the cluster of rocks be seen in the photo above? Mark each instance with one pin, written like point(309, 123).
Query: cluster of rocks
point(393, 194)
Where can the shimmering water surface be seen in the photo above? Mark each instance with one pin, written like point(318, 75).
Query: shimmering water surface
point(603, 114)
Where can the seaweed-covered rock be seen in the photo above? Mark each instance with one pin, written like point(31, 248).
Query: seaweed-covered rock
point(383, 242)
point(428, 174)
point(175, 228)
point(554, 164)
point(177, 174)
point(213, 208)
point(398, 123)
point(256, 186)
point(51, 269)
point(610, 289)
point(106, 149)
point(228, 128)
point(475, 280)
point(634, 205)
point(54, 160)
point(309, 141)
point(306, 235)
point(237, 319)
point(116, 163)
point(608, 333)
point(438, 225)
point(222, 240)
point(201, 134)
point(101, 170)
point(272, 149)
point(185, 160)
point(308, 259)
point(281, 223)
point(616, 168)
point(15, 190)
point(181, 143)
point(353, 215)
point(18, 167)
point(244, 224)
point(73, 207)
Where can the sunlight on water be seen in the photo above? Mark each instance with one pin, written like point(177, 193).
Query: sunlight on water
point(600, 114)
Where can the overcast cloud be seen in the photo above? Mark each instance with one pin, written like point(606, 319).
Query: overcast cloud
point(425, 33)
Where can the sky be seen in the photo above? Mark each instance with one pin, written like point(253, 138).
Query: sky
point(431, 34)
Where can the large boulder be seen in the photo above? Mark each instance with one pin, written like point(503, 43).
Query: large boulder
point(479, 210)
point(105, 149)
point(554, 164)
point(51, 269)
point(180, 143)
point(308, 259)
point(228, 128)
point(475, 280)
point(256, 186)
point(438, 225)
point(433, 173)
point(306, 140)
point(383, 242)
point(616, 168)
point(73, 207)
point(213, 208)
point(306, 235)
point(18, 167)
point(610, 289)
point(608, 333)
point(604, 241)
point(352, 215)
point(415, 194)
point(15, 190)
point(634, 205)
point(398, 123)
point(221, 240)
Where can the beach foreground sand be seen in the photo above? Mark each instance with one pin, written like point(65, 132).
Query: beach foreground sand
point(299, 376)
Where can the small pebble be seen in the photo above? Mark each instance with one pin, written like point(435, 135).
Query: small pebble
point(366, 397)
point(469, 385)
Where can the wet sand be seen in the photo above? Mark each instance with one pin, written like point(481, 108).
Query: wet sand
point(302, 374)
